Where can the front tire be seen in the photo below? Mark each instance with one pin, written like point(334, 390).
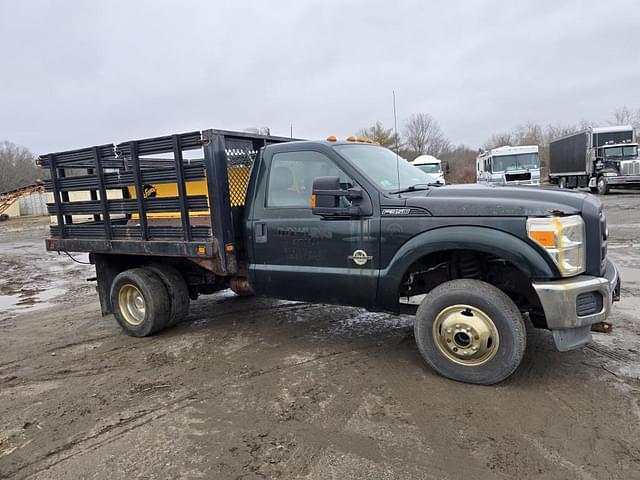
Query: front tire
point(140, 302)
point(470, 331)
point(603, 185)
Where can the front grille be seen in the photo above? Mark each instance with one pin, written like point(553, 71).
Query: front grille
point(516, 177)
point(588, 303)
point(630, 167)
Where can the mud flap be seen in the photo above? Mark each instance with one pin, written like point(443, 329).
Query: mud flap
point(571, 338)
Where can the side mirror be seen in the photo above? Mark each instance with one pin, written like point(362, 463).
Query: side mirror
point(327, 195)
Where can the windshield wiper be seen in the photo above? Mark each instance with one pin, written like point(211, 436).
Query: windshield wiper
point(416, 187)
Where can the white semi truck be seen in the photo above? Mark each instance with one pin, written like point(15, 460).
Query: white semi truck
point(508, 165)
point(432, 167)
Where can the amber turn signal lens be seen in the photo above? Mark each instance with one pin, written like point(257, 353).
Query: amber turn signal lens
point(202, 250)
point(229, 248)
point(351, 138)
point(313, 200)
point(331, 138)
point(544, 238)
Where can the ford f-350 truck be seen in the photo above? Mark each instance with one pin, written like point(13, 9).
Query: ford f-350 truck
point(167, 219)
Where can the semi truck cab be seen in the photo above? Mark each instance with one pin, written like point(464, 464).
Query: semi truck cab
point(618, 162)
point(432, 167)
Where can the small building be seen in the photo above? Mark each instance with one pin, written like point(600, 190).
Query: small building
point(26, 201)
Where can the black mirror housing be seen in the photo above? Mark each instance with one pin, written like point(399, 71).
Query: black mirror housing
point(326, 195)
point(324, 192)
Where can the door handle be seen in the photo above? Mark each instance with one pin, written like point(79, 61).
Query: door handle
point(260, 232)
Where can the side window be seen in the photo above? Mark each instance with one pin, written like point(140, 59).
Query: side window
point(291, 177)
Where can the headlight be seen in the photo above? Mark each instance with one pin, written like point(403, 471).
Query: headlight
point(610, 174)
point(563, 239)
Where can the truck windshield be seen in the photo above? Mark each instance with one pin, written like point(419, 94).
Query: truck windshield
point(508, 163)
point(619, 152)
point(429, 167)
point(379, 164)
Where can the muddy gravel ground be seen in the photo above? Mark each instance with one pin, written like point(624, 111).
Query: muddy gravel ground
point(258, 388)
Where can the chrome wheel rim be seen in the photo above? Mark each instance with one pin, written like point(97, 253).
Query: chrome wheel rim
point(466, 335)
point(132, 304)
point(602, 185)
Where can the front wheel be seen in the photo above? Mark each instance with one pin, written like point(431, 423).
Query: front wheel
point(603, 185)
point(470, 331)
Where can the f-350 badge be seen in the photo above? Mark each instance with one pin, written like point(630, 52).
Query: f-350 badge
point(360, 257)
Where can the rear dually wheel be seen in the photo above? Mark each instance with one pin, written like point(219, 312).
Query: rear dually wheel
point(140, 302)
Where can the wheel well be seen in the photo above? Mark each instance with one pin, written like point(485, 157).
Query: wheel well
point(436, 268)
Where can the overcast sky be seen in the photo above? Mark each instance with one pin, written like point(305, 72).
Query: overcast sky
point(76, 73)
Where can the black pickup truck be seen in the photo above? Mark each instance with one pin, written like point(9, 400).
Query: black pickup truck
point(167, 219)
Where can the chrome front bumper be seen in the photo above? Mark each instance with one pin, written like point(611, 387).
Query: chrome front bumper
point(559, 302)
point(623, 180)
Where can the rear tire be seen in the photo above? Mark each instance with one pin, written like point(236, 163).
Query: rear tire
point(562, 183)
point(177, 290)
point(140, 302)
point(470, 331)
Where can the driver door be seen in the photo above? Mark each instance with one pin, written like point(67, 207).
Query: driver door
point(301, 256)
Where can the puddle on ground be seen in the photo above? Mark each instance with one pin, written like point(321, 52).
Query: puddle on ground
point(29, 299)
point(33, 279)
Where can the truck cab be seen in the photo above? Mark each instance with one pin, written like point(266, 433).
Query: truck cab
point(618, 161)
point(508, 165)
point(432, 167)
point(335, 222)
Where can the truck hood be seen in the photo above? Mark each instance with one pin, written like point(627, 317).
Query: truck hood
point(495, 201)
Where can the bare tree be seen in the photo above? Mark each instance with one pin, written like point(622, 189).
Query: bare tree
point(424, 136)
point(498, 140)
point(459, 164)
point(384, 136)
point(17, 167)
point(528, 134)
point(557, 130)
point(626, 116)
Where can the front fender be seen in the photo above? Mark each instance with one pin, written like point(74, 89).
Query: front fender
point(527, 258)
